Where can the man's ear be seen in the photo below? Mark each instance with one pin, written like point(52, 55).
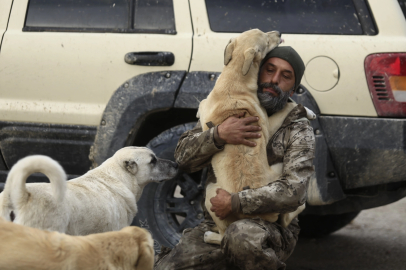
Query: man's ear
point(249, 55)
point(131, 166)
point(228, 51)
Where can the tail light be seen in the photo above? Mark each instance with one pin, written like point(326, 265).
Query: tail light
point(386, 77)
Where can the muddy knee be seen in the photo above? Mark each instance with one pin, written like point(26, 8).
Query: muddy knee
point(245, 246)
point(242, 236)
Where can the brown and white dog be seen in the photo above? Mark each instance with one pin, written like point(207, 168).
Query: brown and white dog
point(235, 92)
point(104, 199)
point(29, 248)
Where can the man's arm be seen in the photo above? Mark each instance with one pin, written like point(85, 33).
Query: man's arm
point(196, 147)
point(289, 191)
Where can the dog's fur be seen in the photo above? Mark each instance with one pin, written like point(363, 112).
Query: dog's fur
point(29, 248)
point(236, 92)
point(104, 199)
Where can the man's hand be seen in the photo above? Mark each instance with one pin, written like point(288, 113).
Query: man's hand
point(237, 130)
point(221, 204)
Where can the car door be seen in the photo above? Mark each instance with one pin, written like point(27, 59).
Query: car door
point(332, 37)
point(62, 60)
point(5, 7)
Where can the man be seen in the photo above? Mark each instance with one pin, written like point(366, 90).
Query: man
point(251, 243)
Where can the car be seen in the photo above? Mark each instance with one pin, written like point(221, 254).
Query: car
point(80, 79)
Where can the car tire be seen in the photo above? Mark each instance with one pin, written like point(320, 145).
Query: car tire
point(166, 209)
point(322, 225)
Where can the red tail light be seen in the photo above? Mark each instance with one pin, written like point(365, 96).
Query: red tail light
point(386, 77)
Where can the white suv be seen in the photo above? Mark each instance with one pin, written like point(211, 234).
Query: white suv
point(80, 79)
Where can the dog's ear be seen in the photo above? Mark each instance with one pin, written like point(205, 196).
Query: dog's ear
point(228, 51)
point(131, 166)
point(249, 55)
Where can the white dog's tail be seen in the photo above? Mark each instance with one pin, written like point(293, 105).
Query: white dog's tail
point(15, 192)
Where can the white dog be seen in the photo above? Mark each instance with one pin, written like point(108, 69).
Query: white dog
point(235, 92)
point(104, 199)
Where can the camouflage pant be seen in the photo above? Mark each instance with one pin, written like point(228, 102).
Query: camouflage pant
point(247, 244)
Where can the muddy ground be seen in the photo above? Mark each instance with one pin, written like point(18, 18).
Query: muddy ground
point(375, 239)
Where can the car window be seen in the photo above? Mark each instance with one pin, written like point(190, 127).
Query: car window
point(402, 4)
point(77, 13)
point(287, 16)
point(153, 14)
point(149, 16)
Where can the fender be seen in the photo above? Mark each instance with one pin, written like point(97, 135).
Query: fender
point(195, 88)
point(323, 189)
point(128, 106)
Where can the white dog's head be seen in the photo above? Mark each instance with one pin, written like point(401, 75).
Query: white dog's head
point(254, 45)
point(144, 165)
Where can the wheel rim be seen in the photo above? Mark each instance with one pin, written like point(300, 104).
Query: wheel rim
point(177, 204)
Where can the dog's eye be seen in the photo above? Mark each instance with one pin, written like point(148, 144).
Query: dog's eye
point(153, 160)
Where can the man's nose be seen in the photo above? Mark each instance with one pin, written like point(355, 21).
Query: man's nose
point(275, 78)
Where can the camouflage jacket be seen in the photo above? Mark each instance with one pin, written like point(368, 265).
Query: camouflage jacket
point(293, 144)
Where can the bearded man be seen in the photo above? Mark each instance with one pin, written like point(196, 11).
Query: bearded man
point(251, 243)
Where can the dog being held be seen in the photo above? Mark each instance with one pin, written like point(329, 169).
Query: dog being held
point(235, 92)
point(23, 247)
point(103, 199)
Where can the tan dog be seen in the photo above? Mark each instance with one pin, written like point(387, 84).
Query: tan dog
point(28, 248)
point(104, 199)
point(235, 92)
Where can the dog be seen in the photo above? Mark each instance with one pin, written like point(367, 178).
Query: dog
point(103, 199)
point(235, 92)
point(29, 248)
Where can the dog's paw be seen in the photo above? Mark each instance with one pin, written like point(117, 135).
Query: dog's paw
point(212, 238)
point(310, 114)
point(208, 236)
point(215, 229)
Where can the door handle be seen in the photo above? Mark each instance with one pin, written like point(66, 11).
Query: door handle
point(150, 58)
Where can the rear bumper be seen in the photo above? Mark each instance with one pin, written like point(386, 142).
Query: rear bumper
point(361, 199)
point(366, 151)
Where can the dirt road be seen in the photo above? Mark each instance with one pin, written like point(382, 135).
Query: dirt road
point(375, 240)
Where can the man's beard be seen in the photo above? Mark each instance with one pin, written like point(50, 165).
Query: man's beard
point(270, 103)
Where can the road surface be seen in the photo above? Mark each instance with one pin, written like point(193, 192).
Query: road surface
point(374, 240)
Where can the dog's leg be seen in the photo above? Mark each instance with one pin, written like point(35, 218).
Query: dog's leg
point(146, 258)
point(287, 218)
point(221, 225)
point(215, 229)
point(212, 238)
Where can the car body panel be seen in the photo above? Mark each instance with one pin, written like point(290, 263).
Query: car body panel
point(350, 96)
point(5, 7)
point(54, 85)
point(81, 71)
point(366, 151)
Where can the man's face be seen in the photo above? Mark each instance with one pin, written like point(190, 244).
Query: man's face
point(276, 83)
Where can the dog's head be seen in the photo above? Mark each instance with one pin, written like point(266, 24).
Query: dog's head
point(144, 165)
point(254, 45)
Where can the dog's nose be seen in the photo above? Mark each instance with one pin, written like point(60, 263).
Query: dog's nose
point(175, 165)
point(279, 34)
